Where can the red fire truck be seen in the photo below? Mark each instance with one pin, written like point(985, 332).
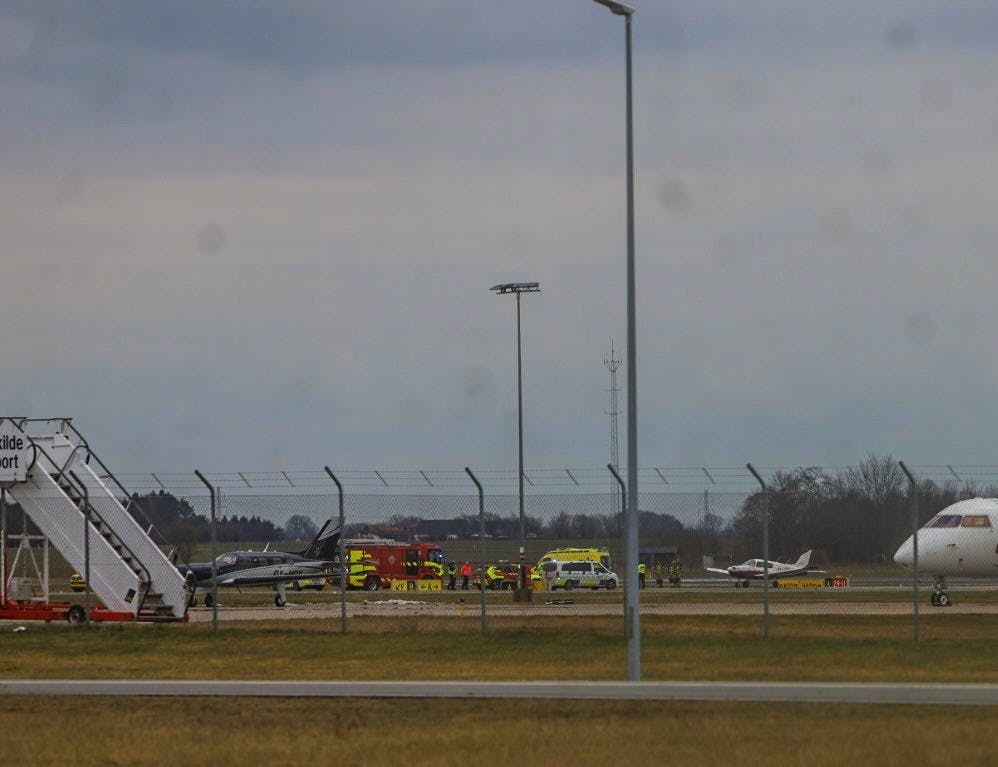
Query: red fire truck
point(380, 563)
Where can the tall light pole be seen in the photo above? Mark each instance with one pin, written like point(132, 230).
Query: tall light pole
point(631, 511)
point(518, 288)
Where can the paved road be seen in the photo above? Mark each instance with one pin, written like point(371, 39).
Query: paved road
point(793, 692)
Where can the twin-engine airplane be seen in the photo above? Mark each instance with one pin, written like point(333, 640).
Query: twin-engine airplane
point(262, 568)
point(961, 540)
point(755, 569)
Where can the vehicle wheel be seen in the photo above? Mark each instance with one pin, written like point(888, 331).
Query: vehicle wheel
point(943, 600)
point(279, 601)
point(934, 599)
point(371, 584)
point(76, 615)
point(611, 585)
point(207, 600)
point(569, 585)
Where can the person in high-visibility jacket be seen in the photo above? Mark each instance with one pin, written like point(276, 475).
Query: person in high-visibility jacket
point(493, 576)
point(451, 575)
point(465, 575)
point(642, 568)
point(675, 573)
point(659, 574)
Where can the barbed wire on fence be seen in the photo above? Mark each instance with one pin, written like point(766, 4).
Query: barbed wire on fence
point(537, 481)
point(432, 480)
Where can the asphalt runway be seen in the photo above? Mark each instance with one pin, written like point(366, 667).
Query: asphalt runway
point(757, 692)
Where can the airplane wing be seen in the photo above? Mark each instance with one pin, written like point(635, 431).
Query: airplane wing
point(716, 570)
point(791, 573)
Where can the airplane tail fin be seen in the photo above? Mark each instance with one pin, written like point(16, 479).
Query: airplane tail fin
point(805, 559)
point(324, 545)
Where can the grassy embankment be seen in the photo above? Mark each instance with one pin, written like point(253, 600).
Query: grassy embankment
point(214, 731)
point(955, 648)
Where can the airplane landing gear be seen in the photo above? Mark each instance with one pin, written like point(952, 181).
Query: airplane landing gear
point(741, 584)
point(939, 596)
point(281, 597)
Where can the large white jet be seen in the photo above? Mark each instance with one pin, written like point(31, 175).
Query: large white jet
point(753, 569)
point(961, 540)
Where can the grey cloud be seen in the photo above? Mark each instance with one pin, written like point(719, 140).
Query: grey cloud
point(315, 35)
point(310, 36)
point(308, 258)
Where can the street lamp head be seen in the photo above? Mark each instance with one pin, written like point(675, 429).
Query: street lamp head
point(617, 8)
point(516, 287)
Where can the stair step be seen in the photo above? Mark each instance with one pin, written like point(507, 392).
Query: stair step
point(158, 617)
point(55, 494)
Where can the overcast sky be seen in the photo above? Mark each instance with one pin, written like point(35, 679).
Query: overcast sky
point(260, 235)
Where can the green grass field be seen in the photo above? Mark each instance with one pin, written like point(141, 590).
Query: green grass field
point(206, 731)
point(956, 648)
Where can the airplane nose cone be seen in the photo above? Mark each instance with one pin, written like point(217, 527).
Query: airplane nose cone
point(904, 555)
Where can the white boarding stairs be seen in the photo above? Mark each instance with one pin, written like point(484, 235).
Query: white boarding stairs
point(128, 571)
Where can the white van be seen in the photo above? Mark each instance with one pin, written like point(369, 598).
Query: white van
point(577, 574)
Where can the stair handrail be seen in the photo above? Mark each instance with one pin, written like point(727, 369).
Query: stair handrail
point(66, 423)
point(85, 446)
point(84, 494)
point(83, 491)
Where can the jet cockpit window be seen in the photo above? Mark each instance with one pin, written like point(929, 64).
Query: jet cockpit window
point(976, 520)
point(225, 559)
point(946, 520)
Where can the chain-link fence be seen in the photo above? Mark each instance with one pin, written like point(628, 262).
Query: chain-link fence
point(422, 548)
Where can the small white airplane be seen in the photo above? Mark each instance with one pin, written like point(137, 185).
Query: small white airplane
point(754, 569)
point(961, 540)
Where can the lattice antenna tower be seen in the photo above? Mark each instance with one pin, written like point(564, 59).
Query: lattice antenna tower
point(612, 363)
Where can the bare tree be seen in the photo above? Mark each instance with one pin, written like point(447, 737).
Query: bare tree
point(300, 528)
